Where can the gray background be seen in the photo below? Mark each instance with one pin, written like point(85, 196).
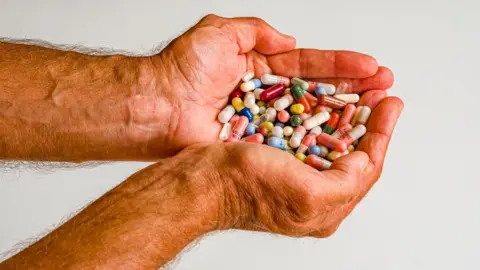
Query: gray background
point(423, 214)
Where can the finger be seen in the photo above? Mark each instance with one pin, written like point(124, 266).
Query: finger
point(311, 63)
point(382, 80)
point(253, 33)
point(371, 98)
point(379, 131)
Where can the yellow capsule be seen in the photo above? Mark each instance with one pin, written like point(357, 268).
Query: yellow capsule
point(268, 126)
point(301, 157)
point(297, 108)
point(260, 103)
point(255, 117)
point(238, 104)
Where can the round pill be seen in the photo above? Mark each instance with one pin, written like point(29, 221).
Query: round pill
point(260, 103)
point(250, 130)
point(268, 125)
point(283, 116)
point(280, 124)
point(287, 131)
point(314, 150)
point(263, 131)
point(295, 121)
point(297, 108)
point(255, 109)
point(277, 132)
point(261, 110)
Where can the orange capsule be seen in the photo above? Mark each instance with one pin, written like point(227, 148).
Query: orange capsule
point(331, 102)
point(331, 142)
point(311, 99)
point(347, 114)
point(332, 123)
point(255, 138)
point(318, 162)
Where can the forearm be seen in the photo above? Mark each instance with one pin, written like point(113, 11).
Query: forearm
point(62, 105)
point(141, 224)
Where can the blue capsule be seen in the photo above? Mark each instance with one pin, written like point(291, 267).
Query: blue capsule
point(257, 82)
point(247, 113)
point(277, 143)
point(279, 124)
point(314, 150)
point(250, 130)
point(320, 91)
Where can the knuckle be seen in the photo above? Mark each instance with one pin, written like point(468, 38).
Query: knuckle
point(328, 231)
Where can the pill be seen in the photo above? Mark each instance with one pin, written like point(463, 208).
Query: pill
point(255, 109)
point(307, 141)
point(363, 116)
point(301, 157)
point(316, 120)
point(297, 81)
point(287, 131)
point(305, 116)
point(311, 86)
point(331, 102)
point(226, 114)
point(331, 124)
point(249, 100)
point(257, 93)
point(320, 90)
point(261, 103)
point(351, 148)
point(287, 91)
point(347, 114)
point(342, 88)
point(318, 163)
point(277, 131)
point(299, 95)
point(272, 92)
point(322, 108)
point(269, 79)
point(331, 142)
point(238, 130)
point(279, 124)
point(316, 130)
point(241, 109)
point(255, 117)
point(311, 99)
point(250, 85)
point(342, 131)
point(268, 125)
point(255, 138)
point(314, 150)
point(355, 134)
point(348, 98)
point(329, 88)
point(283, 102)
point(250, 130)
point(334, 155)
point(234, 119)
point(225, 132)
point(295, 120)
point(261, 110)
point(236, 93)
point(277, 143)
point(283, 116)
point(269, 115)
point(297, 137)
point(297, 109)
point(263, 131)
point(247, 76)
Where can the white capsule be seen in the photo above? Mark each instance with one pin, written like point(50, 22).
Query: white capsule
point(287, 131)
point(363, 116)
point(283, 102)
point(226, 114)
point(316, 130)
point(355, 116)
point(348, 98)
point(335, 155)
point(329, 88)
point(316, 120)
point(277, 131)
point(262, 110)
point(247, 76)
point(269, 79)
point(357, 132)
point(257, 92)
point(255, 109)
point(323, 151)
point(225, 132)
point(297, 81)
point(249, 100)
point(297, 137)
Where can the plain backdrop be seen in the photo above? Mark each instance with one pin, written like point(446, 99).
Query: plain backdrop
point(424, 213)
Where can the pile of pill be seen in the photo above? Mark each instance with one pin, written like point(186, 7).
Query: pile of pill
point(284, 114)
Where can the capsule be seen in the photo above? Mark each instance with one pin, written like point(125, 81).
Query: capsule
point(277, 143)
point(238, 130)
point(255, 109)
point(283, 102)
point(247, 76)
point(347, 114)
point(312, 100)
point(267, 125)
point(287, 131)
point(234, 119)
point(249, 100)
point(236, 93)
point(250, 85)
point(355, 134)
point(255, 138)
point(269, 115)
point(263, 131)
point(241, 109)
point(261, 110)
point(351, 148)
point(250, 130)
point(314, 150)
point(305, 116)
point(363, 116)
point(348, 98)
point(323, 151)
point(332, 123)
point(226, 114)
point(320, 90)
point(342, 88)
point(283, 116)
point(329, 88)
point(316, 120)
point(287, 91)
point(342, 131)
point(331, 142)
point(272, 92)
point(297, 81)
point(225, 132)
point(280, 124)
point(334, 155)
point(331, 102)
point(299, 95)
point(307, 141)
point(316, 130)
point(269, 79)
point(301, 157)
point(318, 162)
point(257, 93)
point(297, 109)
point(277, 131)
point(297, 137)
point(295, 120)
point(321, 108)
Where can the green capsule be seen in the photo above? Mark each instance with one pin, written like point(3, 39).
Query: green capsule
point(297, 91)
point(295, 120)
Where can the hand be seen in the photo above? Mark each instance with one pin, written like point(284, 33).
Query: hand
point(204, 65)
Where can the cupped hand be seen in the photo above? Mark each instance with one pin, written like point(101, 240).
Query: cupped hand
point(205, 64)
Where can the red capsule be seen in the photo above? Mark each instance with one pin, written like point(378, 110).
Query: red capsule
point(236, 93)
point(331, 142)
point(239, 129)
point(306, 105)
point(272, 92)
point(311, 99)
point(331, 102)
point(318, 162)
point(255, 138)
point(347, 114)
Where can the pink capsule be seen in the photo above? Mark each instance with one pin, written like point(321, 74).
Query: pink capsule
point(255, 138)
point(318, 162)
point(304, 116)
point(331, 142)
point(238, 129)
point(234, 119)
